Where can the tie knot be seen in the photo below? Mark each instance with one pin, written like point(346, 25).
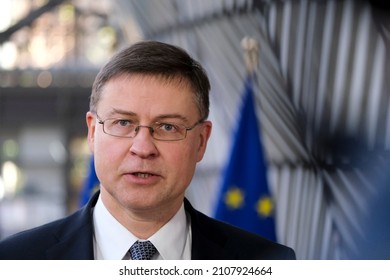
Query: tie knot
point(142, 250)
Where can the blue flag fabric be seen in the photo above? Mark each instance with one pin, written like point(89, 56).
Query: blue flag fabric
point(245, 200)
point(91, 184)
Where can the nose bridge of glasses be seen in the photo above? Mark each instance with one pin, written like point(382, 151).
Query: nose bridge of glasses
point(138, 127)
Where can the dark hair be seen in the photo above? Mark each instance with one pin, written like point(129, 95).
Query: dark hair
point(159, 59)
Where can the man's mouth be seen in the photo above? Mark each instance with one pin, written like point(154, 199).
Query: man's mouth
point(142, 175)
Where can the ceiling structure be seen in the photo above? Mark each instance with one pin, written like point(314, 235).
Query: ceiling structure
point(322, 96)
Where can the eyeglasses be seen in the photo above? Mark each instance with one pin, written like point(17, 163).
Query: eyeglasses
point(163, 131)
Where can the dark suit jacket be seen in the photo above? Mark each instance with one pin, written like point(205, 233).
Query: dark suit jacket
point(71, 238)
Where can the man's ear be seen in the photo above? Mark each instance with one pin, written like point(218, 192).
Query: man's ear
point(204, 138)
point(91, 123)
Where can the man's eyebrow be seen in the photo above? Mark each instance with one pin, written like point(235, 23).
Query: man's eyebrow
point(171, 116)
point(157, 118)
point(121, 112)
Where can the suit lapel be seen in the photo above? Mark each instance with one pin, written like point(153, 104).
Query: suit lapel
point(208, 242)
point(75, 239)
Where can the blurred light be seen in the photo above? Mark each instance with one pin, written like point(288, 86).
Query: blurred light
point(107, 36)
point(96, 55)
point(10, 148)
point(11, 177)
point(38, 51)
point(26, 79)
point(5, 15)
point(44, 79)
point(8, 53)
point(67, 13)
point(2, 188)
point(58, 152)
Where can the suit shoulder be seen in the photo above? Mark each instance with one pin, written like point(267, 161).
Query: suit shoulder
point(59, 225)
point(245, 244)
point(38, 239)
point(249, 241)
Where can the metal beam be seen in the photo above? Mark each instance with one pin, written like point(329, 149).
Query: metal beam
point(30, 18)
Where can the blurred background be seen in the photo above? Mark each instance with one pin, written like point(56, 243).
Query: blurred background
point(321, 96)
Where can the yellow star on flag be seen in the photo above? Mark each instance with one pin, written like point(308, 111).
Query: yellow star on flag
point(234, 198)
point(265, 206)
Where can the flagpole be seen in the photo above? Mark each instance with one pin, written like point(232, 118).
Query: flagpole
point(251, 54)
point(244, 199)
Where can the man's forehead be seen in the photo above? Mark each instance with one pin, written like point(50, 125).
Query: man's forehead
point(129, 113)
point(176, 94)
point(168, 79)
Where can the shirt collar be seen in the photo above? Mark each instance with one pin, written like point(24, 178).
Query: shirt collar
point(172, 239)
point(113, 240)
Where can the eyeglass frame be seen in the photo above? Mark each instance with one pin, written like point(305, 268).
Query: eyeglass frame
point(151, 128)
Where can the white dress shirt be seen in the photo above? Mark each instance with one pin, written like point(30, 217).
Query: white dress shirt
point(112, 240)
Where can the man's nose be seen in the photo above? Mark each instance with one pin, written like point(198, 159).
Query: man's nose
point(143, 143)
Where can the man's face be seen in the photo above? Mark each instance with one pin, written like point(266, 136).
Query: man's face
point(141, 173)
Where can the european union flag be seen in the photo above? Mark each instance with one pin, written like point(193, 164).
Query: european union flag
point(245, 200)
point(91, 184)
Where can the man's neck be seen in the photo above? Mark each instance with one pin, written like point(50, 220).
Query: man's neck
point(141, 223)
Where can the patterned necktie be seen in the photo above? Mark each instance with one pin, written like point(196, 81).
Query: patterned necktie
point(142, 250)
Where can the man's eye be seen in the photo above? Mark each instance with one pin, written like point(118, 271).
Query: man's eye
point(168, 127)
point(122, 122)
